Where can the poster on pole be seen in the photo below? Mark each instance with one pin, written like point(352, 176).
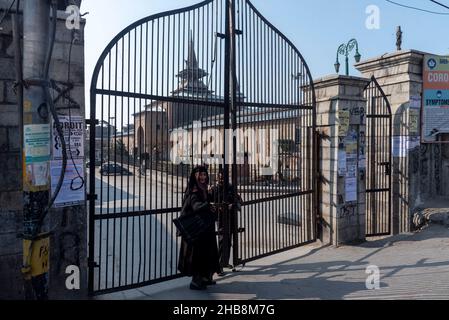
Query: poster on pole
point(435, 112)
point(73, 188)
point(37, 154)
point(73, 129)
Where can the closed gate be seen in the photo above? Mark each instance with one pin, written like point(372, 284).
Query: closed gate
point(379, 161)
point(215, 84)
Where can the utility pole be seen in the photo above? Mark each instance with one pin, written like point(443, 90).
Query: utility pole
point(36, 147)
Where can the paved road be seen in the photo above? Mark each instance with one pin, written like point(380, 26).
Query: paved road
point(413, 266)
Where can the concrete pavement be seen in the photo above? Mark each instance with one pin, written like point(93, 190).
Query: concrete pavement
point(412, 266)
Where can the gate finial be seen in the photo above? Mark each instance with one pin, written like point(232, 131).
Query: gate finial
point(399, 38)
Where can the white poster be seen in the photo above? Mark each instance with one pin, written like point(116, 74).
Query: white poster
point(351, 189)
point(341, 163)
point(73, 129)
point(73, 190)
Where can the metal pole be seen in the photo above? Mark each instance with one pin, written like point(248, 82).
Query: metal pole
point(36, 163)
point(347, 63)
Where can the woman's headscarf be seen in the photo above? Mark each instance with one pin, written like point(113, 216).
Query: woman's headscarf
point(193, 183)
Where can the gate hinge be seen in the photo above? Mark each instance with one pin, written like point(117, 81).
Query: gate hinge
point(92, 197)
point(241, 230)
point(93, 264)
point(92, 123)
point(220, 35)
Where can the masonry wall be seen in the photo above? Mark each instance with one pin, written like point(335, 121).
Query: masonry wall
point(420, 175)
point(343, 220)
point(68, 242)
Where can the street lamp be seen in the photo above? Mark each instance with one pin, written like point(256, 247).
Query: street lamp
point(344, 50)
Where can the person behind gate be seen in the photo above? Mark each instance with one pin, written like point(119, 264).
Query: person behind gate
point(199, 260)
point(227, 209)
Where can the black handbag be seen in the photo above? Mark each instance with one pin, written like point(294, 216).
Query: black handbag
point(191, 227)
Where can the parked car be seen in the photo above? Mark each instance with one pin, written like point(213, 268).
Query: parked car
point(114, 169)
point(98, 163)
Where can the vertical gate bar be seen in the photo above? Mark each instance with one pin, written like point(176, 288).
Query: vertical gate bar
point(127, 202)
point(121, 187)
point(247, 86)
point(145, 142)
point(304, 173)
point(380, 169)
point(109, 161)
point(160, 156)
point(100, 240)
point(260, 100)
point(151, 260)
point(272, 100)
point(115, 161)
point(385, 168)
point(170, 124)
point(92, 191)
point(154, 154)
point(134, 164)
point(144, 149)
point(266, 99)
point(383, 172)
point(390, 159)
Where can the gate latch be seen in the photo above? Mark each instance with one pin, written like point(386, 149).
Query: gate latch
point(387, 166)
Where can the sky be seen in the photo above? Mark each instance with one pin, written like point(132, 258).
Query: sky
point(315, 27)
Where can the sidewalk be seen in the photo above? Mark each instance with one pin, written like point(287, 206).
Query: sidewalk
point(412, 266)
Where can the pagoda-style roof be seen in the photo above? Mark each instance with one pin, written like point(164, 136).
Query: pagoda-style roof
point(190, 83)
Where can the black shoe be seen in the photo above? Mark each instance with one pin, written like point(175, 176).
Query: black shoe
point(195, 286)
point(209, 282)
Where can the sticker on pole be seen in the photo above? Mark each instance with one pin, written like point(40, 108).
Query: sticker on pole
point(39, 260)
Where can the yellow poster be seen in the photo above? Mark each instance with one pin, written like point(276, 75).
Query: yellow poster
point(40, 256)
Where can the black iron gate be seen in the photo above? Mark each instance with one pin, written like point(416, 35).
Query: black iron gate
point(379, 161)
point(213, 83)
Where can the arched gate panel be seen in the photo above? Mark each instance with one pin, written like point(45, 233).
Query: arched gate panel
point(165, 93)
point(379, 161)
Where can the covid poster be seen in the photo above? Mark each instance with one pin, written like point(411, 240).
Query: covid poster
point(435, 111)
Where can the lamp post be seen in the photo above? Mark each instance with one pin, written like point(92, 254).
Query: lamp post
point(345, 49)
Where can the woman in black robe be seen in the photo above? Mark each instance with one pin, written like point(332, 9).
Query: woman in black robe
point(199, 260)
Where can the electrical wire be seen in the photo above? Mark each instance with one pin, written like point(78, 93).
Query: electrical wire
point(415, 8)
point(440, 4)
point(74, 39)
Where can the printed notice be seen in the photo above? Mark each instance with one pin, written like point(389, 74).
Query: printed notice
point(351, 189)
point(341, 163)
point(73, 188)
point(435, 97)
point(37, 154)
point(73, 129)
point(343, 116)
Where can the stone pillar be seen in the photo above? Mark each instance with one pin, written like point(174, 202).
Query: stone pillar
point(416, 170)
point(341, 121)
